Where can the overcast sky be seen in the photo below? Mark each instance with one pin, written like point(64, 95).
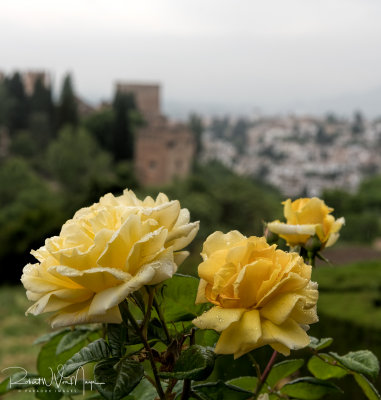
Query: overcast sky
point(275, 55)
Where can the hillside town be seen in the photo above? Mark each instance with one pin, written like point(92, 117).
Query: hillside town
point(299, 155)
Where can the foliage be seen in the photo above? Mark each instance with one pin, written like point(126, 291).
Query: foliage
point(122, 129)
point(183, 364)
point(28, 212)
point(351, 293)
point(75, 160)
point(101, 124)
point(67, 110)
point(17, 104)
point(362, 210)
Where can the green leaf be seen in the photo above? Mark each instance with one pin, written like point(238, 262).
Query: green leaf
point(48, 336)
point(43, 393)
point(319, 344)
point(4, 386)
point(71, 339)
point(283, 370)
point(367, 387)
point(194, 363)
point(143, 391)
point(206, 337)
point(116, 339)
point(362, 361)
point(17, 380)
point(117, 378)
point(323, 370)
point(221, 391)
point(178, 297)
point(309, 388)
point(49, 361)
point(248, 383)
point(95, 351)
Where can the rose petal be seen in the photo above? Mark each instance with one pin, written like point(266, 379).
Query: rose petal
point(218, 318)
point(95, 279)
point(240, 336)
point(59, 299)
point(181, 237)
point(201, 298)
point(180, 256)
point(79, 314)
point(150, 274)
point(281, 228)
point(218, 240)
point(116, 251)
point(290, 334)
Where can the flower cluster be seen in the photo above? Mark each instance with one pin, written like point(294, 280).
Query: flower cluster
point(103, 254)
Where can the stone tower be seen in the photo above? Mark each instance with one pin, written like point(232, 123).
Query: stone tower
point(164, 149)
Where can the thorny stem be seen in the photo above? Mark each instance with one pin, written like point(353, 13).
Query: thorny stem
point(171, 385)
point(187, 382)
point(256, 365)
point(126, 311)
point(186, 389)
point(162, 319)
point(147, 316)
point(265, 374)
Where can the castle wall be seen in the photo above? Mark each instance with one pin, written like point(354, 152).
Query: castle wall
point(163, 153)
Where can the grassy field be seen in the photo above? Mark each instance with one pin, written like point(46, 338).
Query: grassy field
point(351, 293)
point(17, 334)
point(349, 306)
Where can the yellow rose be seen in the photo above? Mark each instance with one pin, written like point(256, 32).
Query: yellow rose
point(305, 218)
point(103, 254)
point(261, 295)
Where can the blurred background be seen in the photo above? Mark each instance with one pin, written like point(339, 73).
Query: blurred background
point(229, 107)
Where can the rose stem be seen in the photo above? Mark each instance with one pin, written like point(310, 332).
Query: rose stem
point(187, 382)
point(147, 316)
point(126, 310)
point(162, 319)
point(265, 374)
point(256, 365)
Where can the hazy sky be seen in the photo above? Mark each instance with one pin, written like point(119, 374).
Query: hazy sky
point(277, 55)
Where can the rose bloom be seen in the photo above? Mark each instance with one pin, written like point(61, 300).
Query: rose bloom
point(103, 254)
point(261, 295)
point(305, 218)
